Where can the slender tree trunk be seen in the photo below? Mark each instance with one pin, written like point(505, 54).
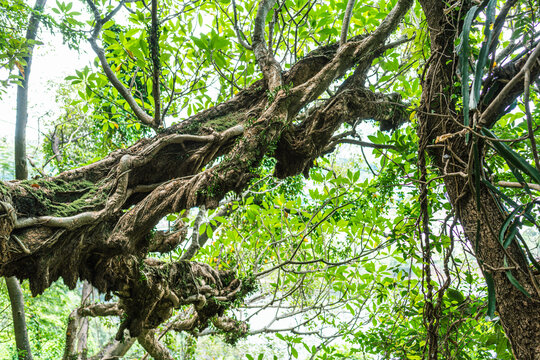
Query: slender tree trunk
point(19, 324)
point(82, 337)
point(21, 170)
point(21, 173)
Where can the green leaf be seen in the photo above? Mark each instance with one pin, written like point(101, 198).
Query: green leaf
point(491, 294)
point(516, 283)
point(463, 50)
point(513, 280)
point(512, 158)
point(455, 295)
point(199, 42)
point(506, 240)
point(202, 228)
point(482, 57)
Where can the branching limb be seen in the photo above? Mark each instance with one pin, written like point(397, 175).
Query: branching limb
point(510, 91)
point(350, 53)
point(297, 148)
point(122, 90)
point(266, 60)
point(239, 34)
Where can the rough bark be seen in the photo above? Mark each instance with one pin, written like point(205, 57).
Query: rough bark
point(16, 300)
point(82, 336)
point(481, 220)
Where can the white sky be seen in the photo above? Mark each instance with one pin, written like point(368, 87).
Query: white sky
point(51, 63)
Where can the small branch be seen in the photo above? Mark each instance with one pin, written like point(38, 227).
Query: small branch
point(239, 34)
point(365, 144)
point(122, 90)
point(492, 111)
point(268, 64)
point(198, 241)
point(518, 185)
point(346, 22)
point(33, 164)
point(21, 244)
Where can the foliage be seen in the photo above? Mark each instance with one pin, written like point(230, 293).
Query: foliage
point(337, 259)
point(13, 17)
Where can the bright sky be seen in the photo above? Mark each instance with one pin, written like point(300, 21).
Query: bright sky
point(52, 62)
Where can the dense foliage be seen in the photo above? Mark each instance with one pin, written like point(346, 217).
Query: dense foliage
point(376, 252)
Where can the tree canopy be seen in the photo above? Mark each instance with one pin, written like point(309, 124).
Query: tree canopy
point(365, 172)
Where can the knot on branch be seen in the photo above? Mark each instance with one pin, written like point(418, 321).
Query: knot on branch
point(166, 241)
point(8, 217)
point(232, 329)
point(156, 288)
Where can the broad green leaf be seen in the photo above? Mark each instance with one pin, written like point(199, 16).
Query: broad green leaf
point(491, 294)
point(464, 51)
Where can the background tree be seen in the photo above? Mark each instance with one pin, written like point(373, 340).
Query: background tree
point(21, 172)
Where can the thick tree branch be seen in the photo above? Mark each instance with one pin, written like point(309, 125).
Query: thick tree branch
point(153, 346)
point(349, 54)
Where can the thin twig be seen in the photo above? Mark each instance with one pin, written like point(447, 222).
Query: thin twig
point(346, 22)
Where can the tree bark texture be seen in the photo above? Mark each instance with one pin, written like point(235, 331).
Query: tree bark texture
point(479, 213)
point(21, 170)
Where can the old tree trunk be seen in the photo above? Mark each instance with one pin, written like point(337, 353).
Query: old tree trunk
point(96, 223)
point(476, 207)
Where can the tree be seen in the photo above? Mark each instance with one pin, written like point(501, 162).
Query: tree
point(104, 214)
point(21, 173)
